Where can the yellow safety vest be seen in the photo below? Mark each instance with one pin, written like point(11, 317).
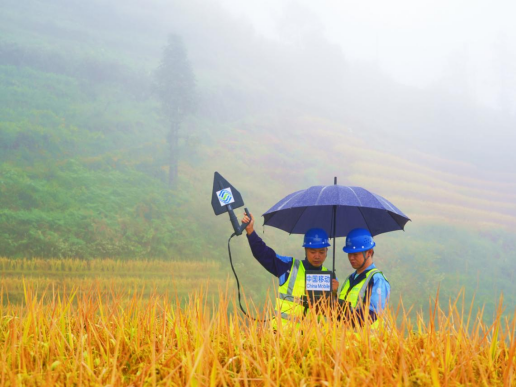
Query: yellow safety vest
point(358, 292)
point(289, 302)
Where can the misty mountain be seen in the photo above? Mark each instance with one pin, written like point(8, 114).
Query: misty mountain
point(83, 148)
point(242, 74)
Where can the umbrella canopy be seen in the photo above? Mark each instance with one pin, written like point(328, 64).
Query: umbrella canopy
point(337, 209)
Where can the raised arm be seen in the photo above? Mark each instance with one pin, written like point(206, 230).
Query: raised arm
point(266, 256)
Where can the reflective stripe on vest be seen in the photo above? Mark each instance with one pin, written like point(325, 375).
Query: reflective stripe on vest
point(358, 292)
point(289, 301)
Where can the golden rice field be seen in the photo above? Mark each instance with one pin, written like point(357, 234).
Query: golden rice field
point(96, 334)
point(65, 275)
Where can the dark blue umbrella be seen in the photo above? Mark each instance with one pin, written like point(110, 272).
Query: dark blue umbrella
point(337, 209)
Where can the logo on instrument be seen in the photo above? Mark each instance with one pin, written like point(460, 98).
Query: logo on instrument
point(225, 196)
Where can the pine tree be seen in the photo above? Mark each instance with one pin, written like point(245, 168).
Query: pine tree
point(175, 87)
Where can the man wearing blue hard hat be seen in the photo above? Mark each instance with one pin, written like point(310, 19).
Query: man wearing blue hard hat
point(290, 271)
point(366, 291)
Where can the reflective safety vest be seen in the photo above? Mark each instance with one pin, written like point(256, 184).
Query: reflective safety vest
point(289, 303)
point(358, 293)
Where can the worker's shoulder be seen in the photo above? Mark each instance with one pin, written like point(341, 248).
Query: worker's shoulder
point(379, 276)
point(285, 259)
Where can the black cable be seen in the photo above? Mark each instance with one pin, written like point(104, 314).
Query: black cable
point(238, 285)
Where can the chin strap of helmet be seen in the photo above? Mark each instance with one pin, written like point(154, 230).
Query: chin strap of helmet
point(365, 259)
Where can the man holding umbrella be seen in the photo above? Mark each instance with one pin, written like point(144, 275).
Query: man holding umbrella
point(340, 210)
point(366, 291)
point(290, 271)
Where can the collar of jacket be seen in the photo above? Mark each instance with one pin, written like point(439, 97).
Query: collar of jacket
point(307, 265)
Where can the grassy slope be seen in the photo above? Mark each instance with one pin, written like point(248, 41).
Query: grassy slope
point(461, 234)
point(463, 219)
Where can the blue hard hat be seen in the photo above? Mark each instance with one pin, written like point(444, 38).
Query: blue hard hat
point(316, 238)
point(358, 240)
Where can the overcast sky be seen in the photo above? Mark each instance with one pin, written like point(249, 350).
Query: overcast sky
point(418, 43)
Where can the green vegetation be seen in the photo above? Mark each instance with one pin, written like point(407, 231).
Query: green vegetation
point(68, 210)
point(84, 157)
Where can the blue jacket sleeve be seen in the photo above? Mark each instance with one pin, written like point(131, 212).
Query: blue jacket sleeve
point(277, 265)
point(379, 293)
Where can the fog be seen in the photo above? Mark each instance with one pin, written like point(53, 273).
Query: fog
point(414, 101)
point(417, 43)
point(446, 68)
point(426, 76)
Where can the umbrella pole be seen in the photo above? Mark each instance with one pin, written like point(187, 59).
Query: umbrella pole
point(334, 229)
point(334, 214)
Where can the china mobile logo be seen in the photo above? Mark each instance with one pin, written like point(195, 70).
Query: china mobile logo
point(225, 196)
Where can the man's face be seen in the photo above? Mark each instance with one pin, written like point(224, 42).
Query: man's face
point(316, 257)
point(357, 259)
